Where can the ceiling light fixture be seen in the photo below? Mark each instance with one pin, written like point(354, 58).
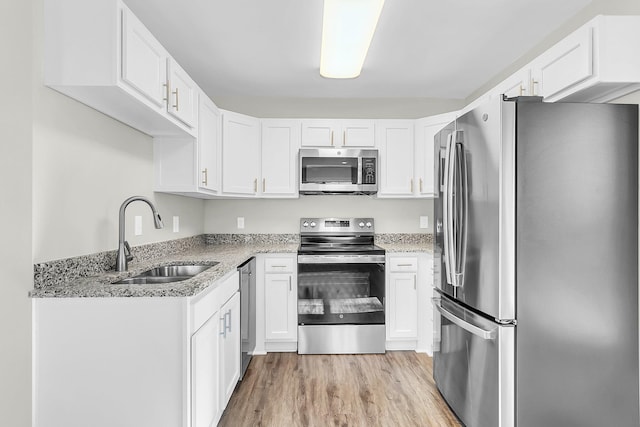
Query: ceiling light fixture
point(347, 30)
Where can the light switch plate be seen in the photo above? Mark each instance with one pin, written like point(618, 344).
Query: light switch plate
point(137, 225)
point(240, 222)
point(424, 221)
point(176, 223)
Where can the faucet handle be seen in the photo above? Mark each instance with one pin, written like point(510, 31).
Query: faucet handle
point(127, 251)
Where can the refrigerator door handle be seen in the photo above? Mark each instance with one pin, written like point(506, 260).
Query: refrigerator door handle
point(461, 205)
point(475, 330)
point(447, 212)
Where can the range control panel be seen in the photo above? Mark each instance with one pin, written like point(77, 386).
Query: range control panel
point(337, 225)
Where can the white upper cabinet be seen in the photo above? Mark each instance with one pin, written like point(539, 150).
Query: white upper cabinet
point(144, 60)
point(240, 154)
point(209, 144)
point(182, 94)
point(191, 166)
point(279, 146)
point(102, 55)
point(595, 63)
point(338, 133)
point(395, 142)
point(425, 131)
point(358, 133)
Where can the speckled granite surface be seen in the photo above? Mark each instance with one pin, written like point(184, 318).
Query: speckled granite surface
point(228, 256)
point(405, 242)
point(93, 275)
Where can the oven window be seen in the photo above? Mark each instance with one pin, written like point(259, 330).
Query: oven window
point(329, 170)
point(330, 294)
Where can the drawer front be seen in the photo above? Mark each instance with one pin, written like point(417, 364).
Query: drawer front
point(203, 307)
point(279, 265)
point(403, 264)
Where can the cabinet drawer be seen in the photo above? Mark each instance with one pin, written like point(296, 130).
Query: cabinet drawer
point(210, 300)
point(403, 264)
point(279, 265)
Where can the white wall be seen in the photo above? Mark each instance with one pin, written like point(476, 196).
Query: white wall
point(283, 216)
point(85, 165)
point(15, 213)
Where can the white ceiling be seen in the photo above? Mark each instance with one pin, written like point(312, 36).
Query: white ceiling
point(421, 49)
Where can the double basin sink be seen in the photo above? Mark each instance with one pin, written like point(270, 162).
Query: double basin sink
point(166, 274)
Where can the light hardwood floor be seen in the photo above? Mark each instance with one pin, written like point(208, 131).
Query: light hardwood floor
point(287, 389)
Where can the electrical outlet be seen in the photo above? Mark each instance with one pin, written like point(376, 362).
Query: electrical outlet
point(424, 221)
point(240, 222)
point(137, 225)
point(176, 224)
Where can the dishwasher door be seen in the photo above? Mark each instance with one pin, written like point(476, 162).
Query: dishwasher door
point(247, 313)
point(473, 364)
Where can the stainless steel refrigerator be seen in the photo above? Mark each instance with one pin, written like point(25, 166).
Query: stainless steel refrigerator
point(536, 265)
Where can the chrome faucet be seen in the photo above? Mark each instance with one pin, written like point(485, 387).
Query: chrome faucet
point(124, 250)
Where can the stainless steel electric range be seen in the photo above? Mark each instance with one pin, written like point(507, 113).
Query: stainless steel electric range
point(341, 287)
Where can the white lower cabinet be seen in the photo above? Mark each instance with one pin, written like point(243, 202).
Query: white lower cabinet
point(205, 383)
point(408, 302)
point(280, 302)
point(154, 362)
point(229, 349)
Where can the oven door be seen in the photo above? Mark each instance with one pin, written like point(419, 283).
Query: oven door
point(473, 364)
point(340, 304)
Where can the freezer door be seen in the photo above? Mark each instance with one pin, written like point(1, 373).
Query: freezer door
point(474, 212)
point(473, 365)
point(577, 265)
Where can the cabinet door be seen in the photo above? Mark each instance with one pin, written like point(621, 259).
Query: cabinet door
point(183, 95)
point(519, 84)
point(358, 133)
point(320, 133)
point(144, 60)
point(240, 154)
point(565, 64)
point(205, 401)
point(426, 129)
point(403, 305)
point(281, 307)
point(209, 135)
point(394, 139)
point(280, 144)
point(229, 316)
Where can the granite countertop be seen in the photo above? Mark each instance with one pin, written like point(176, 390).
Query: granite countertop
point(229, 257)
point(93, 275)
point(407, 247)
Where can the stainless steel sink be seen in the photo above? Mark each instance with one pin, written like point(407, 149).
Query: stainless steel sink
point(166, 274)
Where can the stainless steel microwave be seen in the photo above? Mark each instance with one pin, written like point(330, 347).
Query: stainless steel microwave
point(338, 171)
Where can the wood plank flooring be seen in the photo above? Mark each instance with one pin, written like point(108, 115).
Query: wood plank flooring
point(287, 389)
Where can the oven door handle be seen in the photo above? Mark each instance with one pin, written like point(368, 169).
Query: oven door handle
point(340, 259)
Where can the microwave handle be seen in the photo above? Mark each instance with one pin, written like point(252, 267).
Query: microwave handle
point(360, 177)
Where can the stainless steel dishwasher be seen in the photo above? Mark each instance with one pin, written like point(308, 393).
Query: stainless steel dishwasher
point(247, 313)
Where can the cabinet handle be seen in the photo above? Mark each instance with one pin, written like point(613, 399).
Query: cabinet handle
point(405, 265)
point(177, 104)
point(332, 138)
point(420, 185)
point(224, 325)
point(290, 284)
point(344, 137)
point(521, 90)
point(228, 327)
point(264, 184)
point(411, 190)
point(166, 92)
point(534, 88)
point(255, 185)
point(415, 284)
point(278, 266)
point(205, 178)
